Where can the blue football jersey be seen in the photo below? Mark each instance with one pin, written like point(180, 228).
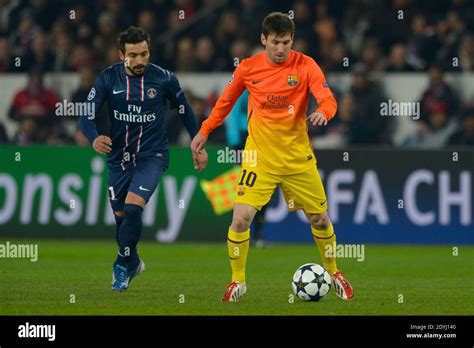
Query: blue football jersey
point(136, 107)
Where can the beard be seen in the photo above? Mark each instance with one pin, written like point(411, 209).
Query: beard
point(137, 70)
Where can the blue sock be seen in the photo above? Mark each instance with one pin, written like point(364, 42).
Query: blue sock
point(129, 234)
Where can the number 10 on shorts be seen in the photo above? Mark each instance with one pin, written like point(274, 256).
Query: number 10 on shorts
point(248, 179)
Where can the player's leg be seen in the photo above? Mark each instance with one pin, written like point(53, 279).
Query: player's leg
point(130, 231)
point(119, 217)
point(128, 236)
point(238, 239)
point(119, 182)
point(254, 190)
point(145, 180)
point(146, 177)
point(325, 239)
point(238, 244)
point(306, 191)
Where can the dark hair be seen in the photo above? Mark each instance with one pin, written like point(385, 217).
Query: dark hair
point(278, 23)
point(132, 35)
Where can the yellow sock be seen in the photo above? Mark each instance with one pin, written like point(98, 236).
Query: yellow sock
point(326, 239)
point(238, 246)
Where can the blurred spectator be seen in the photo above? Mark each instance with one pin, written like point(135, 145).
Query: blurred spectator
point(147, 21)
point(33, 108)
point(111, 55)
point(39, 54)
point(41, 11)
point(437, 92)
point(239, 50)
point(389, 23)
point(117, 10)
point(368, 94)
point(7, 63)
point(24, 34)
point(236, 122)
point(8, 14)
point(437, 132)
point(84, 34)
point(59, 27)
point(303, 20)
point(336, 59)
point(301, 45)
point(252, 13)
point(326, 32)
point(397, 59)
point(185, 55)
point(175, 21)
point(456, 29)
point(63, 45)
point(108, 31)
point(465, 136)
point(371, 56)
point(342, 129)
point(82, 56)
point(355, 24)
point(228, 30)
point(204, 54)
point(466, 53)
point(417, 52)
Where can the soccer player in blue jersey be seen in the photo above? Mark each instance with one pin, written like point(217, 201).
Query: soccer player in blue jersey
point(136, 93)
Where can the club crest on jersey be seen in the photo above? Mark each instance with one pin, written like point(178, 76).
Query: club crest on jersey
point(241, 191)
point(151, 93)
point(292, 80)
point(91, 94)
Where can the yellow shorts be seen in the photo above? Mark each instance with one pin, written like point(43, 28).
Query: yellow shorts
point(302, 191)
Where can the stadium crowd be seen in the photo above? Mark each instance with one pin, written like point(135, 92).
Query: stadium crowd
point(364, 37)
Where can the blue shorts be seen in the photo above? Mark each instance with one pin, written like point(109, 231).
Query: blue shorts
point(141, 180)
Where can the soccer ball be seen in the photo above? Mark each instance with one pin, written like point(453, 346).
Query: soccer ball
point(311, 282)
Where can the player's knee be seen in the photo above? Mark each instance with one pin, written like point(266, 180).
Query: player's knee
point(132, 211)
point(119, 214)
point(319, 221)
point(241, 222)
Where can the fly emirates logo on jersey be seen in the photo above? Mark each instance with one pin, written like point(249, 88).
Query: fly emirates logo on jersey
point(134, 115)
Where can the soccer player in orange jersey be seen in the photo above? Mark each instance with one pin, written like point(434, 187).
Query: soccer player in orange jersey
point(279, 81)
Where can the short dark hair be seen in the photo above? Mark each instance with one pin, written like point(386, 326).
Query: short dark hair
point(278, 23)
point(132, 35)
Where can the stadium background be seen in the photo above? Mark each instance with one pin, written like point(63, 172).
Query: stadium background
point(371, 52)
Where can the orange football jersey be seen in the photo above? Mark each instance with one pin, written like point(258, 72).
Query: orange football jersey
point(278, 100)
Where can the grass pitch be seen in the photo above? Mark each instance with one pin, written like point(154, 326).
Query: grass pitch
point(189, 279)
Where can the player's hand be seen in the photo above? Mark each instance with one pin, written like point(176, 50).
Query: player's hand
point(200, 160)
point(317, 119)
point(102, 144)
point(198, 143)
